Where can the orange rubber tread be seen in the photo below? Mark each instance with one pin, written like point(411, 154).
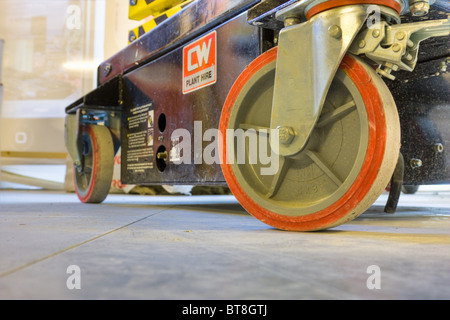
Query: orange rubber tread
point(363, 183)
point(339, 3)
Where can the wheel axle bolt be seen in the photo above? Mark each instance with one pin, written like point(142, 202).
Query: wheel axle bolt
point(286, 134)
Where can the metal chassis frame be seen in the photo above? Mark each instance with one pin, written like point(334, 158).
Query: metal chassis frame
point(108, 97)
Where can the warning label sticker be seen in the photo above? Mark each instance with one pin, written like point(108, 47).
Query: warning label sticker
point(199, 63)
point(139, 139)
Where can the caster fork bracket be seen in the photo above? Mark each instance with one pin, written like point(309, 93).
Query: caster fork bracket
point(309, 55)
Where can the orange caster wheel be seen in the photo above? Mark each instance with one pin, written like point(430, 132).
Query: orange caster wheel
point(348, 161)
point(93, 178)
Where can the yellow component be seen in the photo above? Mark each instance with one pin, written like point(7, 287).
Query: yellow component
point(140, 9)
point(146, 27)
point(37, 155)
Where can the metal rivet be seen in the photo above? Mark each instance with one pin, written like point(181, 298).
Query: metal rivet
point(415, 163)
point(400, 35)
point(335, 31)
point(362, 44)
point(107, 68)
point(438, 147)
point(376, 33)
point(396, 47)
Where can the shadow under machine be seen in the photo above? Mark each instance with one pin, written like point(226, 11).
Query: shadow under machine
point(307, 110)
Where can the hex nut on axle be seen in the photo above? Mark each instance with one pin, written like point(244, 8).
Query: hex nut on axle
point(286, 135)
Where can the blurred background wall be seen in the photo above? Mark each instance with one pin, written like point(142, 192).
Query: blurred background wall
point(51, 50)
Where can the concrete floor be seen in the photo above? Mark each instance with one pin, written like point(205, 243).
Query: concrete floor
point(207, 247)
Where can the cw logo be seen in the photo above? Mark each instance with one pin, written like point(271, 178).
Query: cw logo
point(199, 63)
point(202, 56)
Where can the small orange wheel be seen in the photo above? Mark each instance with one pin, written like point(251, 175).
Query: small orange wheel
point(339, 3)
point(347, 163)
point(93, 179)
